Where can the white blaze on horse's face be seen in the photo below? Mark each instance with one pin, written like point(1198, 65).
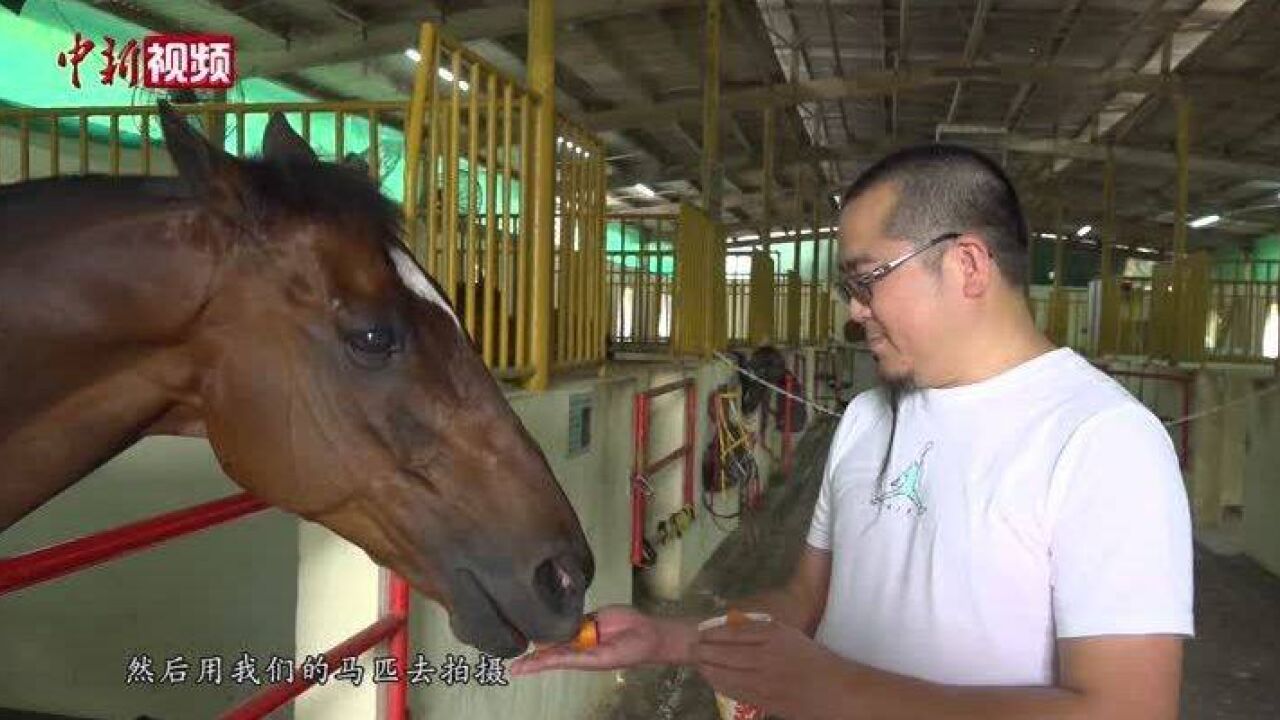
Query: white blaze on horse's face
point(414, 279)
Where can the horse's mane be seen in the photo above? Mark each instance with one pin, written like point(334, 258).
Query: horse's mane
point(289, 187)
point(322, 190)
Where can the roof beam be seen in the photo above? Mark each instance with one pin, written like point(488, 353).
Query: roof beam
point(839, 61)
point(394, 37)
point(874, 83)
point(977, 29)
point(1052, 45)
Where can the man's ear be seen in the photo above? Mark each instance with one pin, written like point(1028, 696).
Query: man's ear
point(977, 265)
point(280, 142)
point(214, 176)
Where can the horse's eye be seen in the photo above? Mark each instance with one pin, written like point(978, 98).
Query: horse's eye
point(377, 340)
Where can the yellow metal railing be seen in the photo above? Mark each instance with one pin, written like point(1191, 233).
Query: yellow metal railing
point(700, 284)
point(640, 280)
point(1063, 315)
point(762, 328)
point(470, 195)
point(467, 195)
point(580, 311)
point(50, 142)
point(1243, 323)
point(1225, 312)
point(738, 301)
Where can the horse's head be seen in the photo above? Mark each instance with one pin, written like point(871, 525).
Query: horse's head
point(334, 381)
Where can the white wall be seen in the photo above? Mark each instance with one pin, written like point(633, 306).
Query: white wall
point(1262, 481)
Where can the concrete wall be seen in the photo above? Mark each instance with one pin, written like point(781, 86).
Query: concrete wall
point(1262, 481)
point(66, 644)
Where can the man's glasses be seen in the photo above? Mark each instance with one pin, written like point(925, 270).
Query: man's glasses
point(858, 287)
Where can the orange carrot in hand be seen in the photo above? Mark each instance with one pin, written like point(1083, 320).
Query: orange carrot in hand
point(588, 635)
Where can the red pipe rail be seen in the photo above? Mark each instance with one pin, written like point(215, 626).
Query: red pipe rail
point(642, 469)
point(68, 557)
point(82, 553)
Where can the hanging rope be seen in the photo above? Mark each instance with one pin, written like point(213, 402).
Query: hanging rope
point(1223, 406)
point(731, 363)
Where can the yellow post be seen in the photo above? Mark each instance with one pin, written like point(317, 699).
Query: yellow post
point(115, 145)
point(1057, 298)
point(1109, 315)
point(507, 263)
point(711, 183)
point(832, 237)
point(473, 187)
point(794, 330)
point(450, 209)
point(1181, 318)
point(767, 187)
point(524, 293)
point(813, 279)
point(492, 167)
point(84, 144)
point(542, 81)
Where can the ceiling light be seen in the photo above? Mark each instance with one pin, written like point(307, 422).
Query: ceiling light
point(1205, 221)
point(1048, 236)
point(445, 74)
point(645, 190)
point(413, 54)
point(1085, 230)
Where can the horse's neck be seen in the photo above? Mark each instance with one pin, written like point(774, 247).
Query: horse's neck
point(95, 299)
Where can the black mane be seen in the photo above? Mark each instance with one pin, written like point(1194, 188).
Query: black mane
point(322, 190)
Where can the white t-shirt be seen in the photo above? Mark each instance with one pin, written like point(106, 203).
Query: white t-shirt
point(1043, 503)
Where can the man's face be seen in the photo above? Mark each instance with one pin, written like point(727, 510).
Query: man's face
point(904, 318)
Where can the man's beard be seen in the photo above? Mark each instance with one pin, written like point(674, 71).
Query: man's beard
point(900, 383)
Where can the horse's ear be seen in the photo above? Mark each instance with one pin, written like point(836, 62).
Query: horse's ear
point(279, 141)
point(357, 161)
point(210, 172)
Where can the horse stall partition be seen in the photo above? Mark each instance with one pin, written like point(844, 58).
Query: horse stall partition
point(643, 468)
point(579, 288)
point(641, 285)
point(467, 187)
point(738, 297)
point(699, 300)
point(83, 553)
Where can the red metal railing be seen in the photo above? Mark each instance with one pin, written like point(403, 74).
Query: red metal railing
point(72, 556)
point(1186, 384)
point(642, 469)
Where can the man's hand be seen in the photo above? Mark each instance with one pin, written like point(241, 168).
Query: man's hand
point(627, 638)
point(768, 664)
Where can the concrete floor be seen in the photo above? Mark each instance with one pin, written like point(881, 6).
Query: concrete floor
point(1231, 671)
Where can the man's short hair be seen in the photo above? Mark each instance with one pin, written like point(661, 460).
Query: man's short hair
point(945, 188)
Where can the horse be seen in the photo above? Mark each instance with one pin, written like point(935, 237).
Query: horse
point(269, 305)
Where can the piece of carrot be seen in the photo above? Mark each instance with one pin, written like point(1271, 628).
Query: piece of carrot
point(588, 635)
point(736, 617)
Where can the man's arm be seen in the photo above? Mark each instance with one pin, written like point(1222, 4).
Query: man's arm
point(799, 603)
point(1130, 677)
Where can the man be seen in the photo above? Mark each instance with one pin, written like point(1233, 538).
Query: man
point(1002, 530)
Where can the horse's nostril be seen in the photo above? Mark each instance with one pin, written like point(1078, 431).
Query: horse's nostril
point(559, 581)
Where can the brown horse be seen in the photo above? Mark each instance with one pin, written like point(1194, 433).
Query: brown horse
point(269, 305)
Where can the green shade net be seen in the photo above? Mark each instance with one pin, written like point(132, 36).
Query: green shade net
point(32, 77)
